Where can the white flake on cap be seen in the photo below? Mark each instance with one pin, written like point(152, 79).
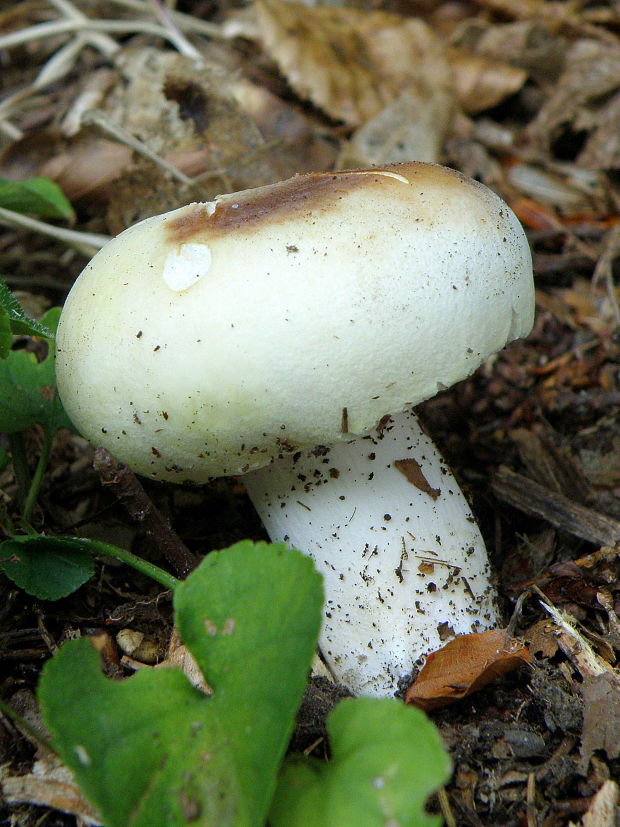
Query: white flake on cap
point(186, 265)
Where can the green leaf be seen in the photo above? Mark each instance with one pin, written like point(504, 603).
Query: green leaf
point(28, 388)
point(18, 319)
point(386, 760)
point(40, 196)
point(6, 334)
point(153, 750)
point(47, 567)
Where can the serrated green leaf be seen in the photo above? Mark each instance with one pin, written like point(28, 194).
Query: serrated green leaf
point(152, 750)
point(28, 388)
point(39, 196)
point(387, 758)
point(18, 320)
point(46, 567)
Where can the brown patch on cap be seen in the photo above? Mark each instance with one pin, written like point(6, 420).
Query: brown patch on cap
point(193, 220)
point(279, 202)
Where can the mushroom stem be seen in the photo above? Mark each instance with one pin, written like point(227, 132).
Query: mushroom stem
point(386, 524)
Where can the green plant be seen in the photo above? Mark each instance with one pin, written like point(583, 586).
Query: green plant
point(28, 390)
point(27, 383)
point(44, 566)
point(153, 750)
point(47, 567)
point(39, 196)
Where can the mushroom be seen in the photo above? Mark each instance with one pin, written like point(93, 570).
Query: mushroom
point(285, 333)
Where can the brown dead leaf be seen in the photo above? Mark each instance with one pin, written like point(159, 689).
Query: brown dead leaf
point(482, 82)
point(556, 15)
point(411, 469)
point(569, 190)
point(598, 449)
point(23, 158)
point(411, 127)
point(177, 108)
point(528, 44)
point(179, 657)
point(298, 146)
point(185, 114)
point(87, 167)
point(541, 638)
point(580, 99)
point(564, 582)
point(50, 784)
point(465, 665)
point(602, 149)
point(579, 306)
point(604, 807)
point(601, 717)
point(352, 63)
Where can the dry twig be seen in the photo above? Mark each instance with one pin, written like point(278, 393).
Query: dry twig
point(560, 511)
point(126, 486)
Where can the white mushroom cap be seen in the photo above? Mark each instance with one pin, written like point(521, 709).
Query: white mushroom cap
point(211, 339)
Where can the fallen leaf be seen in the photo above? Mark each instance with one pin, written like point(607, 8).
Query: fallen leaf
point(580, 97)
point(412, 470)
point(541, 638)
point(179, 656)
point(87, 166)
point(601, 717)
point(410, 127)
point(602, 149)
point(191, 120)
point(482, 82)
point(603, 809)
point(564, 582)
point(298, 145)
point(50, 784)
point(352, 63)
point(527, 44)
point(465, 665)
point(568, 193)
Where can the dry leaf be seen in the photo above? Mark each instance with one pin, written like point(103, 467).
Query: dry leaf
point(601, 717)
point(482, 82)
point(579, 306)
point(50, 784)
point(87, 167)
point(570, 194)
point(179, 657)
point(465, 665)
point(352, 63)
point(598, 449)
point(409, 128)
point(527, 44)
point(298, 146)
point(541, 638)
point(603, 810)
point(602, 148)
point(185, 114)
point(579, 97)
point(412, 470)
point(564, 582)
